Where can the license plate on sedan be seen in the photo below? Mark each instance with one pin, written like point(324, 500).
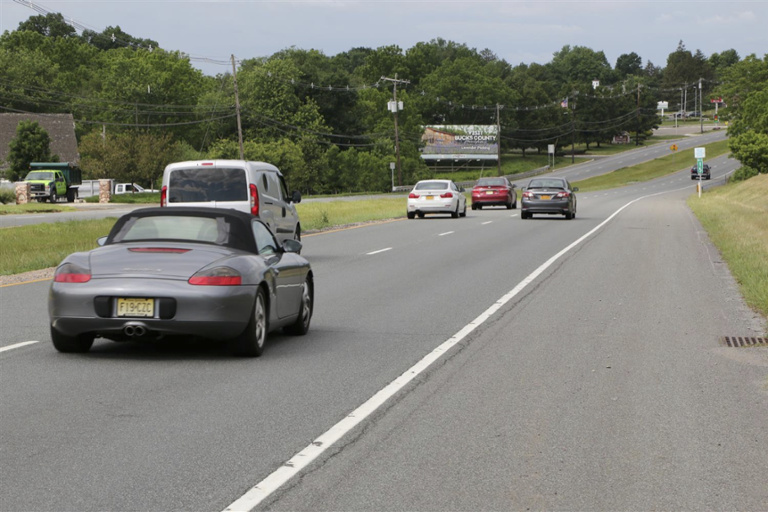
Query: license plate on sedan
point(136, 307)
point(546, 197)
point(429, 197)
point(489, 191)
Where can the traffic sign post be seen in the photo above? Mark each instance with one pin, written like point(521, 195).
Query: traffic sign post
point(700, 154)
point(392, 170)
point(673, 147)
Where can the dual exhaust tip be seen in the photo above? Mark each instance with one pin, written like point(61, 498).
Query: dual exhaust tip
point(134, 330)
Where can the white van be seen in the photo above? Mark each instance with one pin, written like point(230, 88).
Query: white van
point(257, 188)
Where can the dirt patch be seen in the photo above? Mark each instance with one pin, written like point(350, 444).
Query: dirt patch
point(24, 277)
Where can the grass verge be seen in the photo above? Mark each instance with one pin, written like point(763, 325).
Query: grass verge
point(736, 218)
point(339, 213)
point(26, 248)
point(649, 170)
point(11, 209)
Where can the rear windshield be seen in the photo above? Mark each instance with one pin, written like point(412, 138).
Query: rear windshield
point(546, 184)
point(39, 175)
point(196, 229)
point(432, 185)
point(491, 182)
point(200, 185)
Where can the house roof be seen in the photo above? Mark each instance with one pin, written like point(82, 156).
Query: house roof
point(60, 128)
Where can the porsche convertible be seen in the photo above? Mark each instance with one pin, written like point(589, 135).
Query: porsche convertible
point(205, 272)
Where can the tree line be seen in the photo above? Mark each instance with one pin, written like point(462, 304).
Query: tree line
point(323, 120)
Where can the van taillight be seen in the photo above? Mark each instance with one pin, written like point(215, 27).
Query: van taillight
point(254, 200)
point(163, 195)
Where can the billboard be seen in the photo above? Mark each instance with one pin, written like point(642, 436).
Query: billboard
point(460, 142)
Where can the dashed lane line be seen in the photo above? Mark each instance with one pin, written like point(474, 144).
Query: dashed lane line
point(380, 250)
point(446, 233)
point(18, 345)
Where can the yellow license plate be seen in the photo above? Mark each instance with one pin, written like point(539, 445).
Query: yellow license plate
point(489, 191)
point(136, 307)
point(430, 197)
point(546, 197)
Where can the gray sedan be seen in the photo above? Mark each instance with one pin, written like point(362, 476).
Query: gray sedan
point(209, 272)
point(553, 196)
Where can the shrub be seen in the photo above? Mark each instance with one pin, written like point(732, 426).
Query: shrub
point(744, 173)
point(7, 196)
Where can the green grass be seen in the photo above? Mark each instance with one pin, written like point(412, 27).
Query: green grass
point(40, 246)
point(10, 209)
point(649, 170)
point(145, 198)
point(338, 213)
point(736, 218)
point(512, 163)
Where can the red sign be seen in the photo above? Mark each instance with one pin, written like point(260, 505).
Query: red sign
point(716, 100)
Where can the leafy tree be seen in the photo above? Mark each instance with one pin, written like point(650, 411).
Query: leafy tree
point(721, 61)
point(741, 79)
point(50, 25)
point(580, 64)
point(628, 64)
point(114, 37)
point(751, 149)
point(31, 144)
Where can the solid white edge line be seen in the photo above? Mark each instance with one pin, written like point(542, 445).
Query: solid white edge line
point(380, 250)
point(446, 233)
point(18, 345)
point(262, 490)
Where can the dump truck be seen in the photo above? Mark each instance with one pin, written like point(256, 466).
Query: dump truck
point(53, 180)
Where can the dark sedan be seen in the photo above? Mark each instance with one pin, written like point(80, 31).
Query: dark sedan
point(208, 272)
point(552, 196)
point(704, 175)
point(494, 192)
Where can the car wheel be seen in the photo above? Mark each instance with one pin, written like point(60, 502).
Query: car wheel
point(53, 196)
point(70, 195)
point(301, 325)
point(297, 234)
point(514, 204)
point(421, 215)
point(464, 213)
point(479, 207)
point(474, 207)
point(71, 344)
point(509, 206)
point(568, 216)
point(251, 342)
point(411, 215)
point(455, 214)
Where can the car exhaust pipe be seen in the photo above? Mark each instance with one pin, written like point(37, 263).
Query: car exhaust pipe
point(129, 330)
point(139, 331)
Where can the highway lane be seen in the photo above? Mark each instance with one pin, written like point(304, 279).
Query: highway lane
point(576, 172)
point(188, 428)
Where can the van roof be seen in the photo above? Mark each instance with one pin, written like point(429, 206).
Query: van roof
point(260, 166)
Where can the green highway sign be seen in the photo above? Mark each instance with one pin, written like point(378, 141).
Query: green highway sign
point(700, 166)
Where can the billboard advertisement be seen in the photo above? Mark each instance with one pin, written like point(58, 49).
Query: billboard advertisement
point(460, 142)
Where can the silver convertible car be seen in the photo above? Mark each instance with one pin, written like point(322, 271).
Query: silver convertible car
point(208, 272)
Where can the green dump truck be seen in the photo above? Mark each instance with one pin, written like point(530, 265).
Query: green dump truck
point(53, 180)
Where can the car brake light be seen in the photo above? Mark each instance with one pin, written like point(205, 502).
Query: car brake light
point(528, 194)
point(563, 194)
point(218, 276)
point(163, 195)
point(413, 196)
point(71, 273)
point(254, 200)
point(207, 163)
point(446, 195)
point(159, 249)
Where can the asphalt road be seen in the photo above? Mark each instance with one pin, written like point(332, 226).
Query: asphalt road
point(601, 386)
point(576, 172)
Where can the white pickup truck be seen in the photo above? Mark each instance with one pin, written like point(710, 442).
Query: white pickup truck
point(128, 188)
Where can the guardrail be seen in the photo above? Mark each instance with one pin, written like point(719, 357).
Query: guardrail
point(466, 184)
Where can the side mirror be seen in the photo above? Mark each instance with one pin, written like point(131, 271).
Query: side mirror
point(101, 240)
point(295, 196)
point(462, 189)
point(575, 189)
point(291, 245)
point(514, 186)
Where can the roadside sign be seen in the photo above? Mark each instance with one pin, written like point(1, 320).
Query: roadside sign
point(700, 166)
point(700, 152)
point(551, 149)
point(673, 147)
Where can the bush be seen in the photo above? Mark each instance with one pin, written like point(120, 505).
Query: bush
point(7, 196)
point(744, 173)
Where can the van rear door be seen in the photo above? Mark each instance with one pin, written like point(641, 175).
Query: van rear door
point(213, 187)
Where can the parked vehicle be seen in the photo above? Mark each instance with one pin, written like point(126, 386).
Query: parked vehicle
point(494, 192)
point(704, 175)
point(553, 196)
point(257, 188)
point(131, 188)
point(436, 196)
point(209, 272)
point(53, 180)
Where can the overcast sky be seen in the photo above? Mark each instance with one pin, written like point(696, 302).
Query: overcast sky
point(518, 31)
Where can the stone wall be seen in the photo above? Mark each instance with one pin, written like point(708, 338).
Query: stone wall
point(105, 191)
point(23, 192)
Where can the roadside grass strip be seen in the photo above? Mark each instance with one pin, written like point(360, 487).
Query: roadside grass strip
point(10, 209)
point(736, 219)
point(39, 246)
point(314, 216)
point(647, 171)
point(143, 198)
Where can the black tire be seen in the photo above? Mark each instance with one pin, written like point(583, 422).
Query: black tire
point(421, 215)
point(71, 344)
point(525, 215)
point(411, 215)
point(52, 197)
point(464, 213)
point(509, 206)
point(70, 195)
point(479, 207)
point(455, 215)
point(514, 204)
point(251, 342)
point(301, 325)
point(474, 207)
point(568, 216)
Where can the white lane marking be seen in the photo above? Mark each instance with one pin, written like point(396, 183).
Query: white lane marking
point(484, 223)
point(513, 215)
point(605, 194)
point(380, 250)
point(18, 345)
point(262, 490)
point(446, 233)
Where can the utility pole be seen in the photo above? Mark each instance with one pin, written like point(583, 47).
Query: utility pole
point(685, 102)
point(237, 108)
point(701, 109)
point(573, 131)
point(498, 138)
point(394, 108)
point(637, 130)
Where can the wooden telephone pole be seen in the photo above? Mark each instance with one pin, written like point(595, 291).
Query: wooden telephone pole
point(498, 137)
point(395, 107)
point(237, 107)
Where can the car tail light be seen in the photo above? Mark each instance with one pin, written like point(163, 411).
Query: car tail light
point(218, 276)
point(413, 195)
point(528, 194)
point(446, 195)
point(159, 249)
point(254, 200)
point(71, 273)
point(163, 195)
point(563, 194)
